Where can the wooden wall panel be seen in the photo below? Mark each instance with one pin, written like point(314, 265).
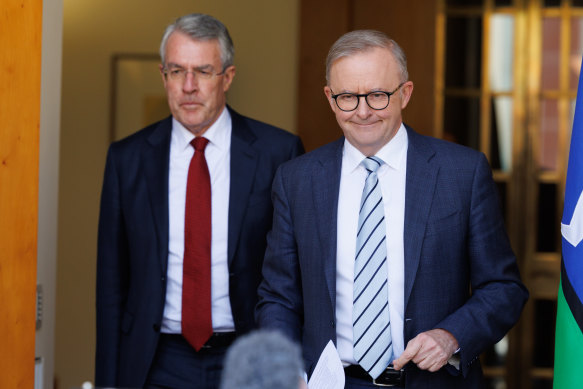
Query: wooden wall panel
point(20, 64)
point(412, 25)
point(321, 23)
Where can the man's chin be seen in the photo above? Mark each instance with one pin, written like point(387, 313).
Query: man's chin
point(197, 127)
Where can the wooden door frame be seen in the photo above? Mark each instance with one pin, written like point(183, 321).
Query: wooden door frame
point(20, 70)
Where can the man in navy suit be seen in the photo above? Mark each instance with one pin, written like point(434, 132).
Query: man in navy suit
point(446, 285)
point(141, 247)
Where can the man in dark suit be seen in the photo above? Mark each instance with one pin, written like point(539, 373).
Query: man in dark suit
point(166, 208)
point(389, 243)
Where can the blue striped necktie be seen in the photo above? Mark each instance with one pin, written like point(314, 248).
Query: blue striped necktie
point(373, 346)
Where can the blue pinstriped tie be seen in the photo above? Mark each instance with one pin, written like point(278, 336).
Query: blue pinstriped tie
point(373, 346)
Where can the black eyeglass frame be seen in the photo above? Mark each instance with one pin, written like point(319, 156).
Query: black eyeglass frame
point(365, 95)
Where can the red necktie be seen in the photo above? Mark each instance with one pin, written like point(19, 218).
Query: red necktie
point(196, 271)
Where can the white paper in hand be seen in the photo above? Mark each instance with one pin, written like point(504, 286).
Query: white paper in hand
point(329, 373)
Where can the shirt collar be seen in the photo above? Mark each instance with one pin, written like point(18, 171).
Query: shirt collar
point(391, 153)
point(217, 133)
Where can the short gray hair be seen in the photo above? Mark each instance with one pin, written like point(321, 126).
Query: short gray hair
point(358, 41)
point(263, 359)
point(205, 28)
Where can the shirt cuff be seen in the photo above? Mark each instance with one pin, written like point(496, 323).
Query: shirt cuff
point(455, 359)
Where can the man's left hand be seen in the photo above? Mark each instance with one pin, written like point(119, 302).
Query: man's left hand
point(429, 350)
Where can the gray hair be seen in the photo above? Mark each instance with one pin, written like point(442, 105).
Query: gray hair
point(262, 359)
point(205, 28)
point(363, 40)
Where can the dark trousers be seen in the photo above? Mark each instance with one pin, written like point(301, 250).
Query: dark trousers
point(178, 366)
point(356, 383)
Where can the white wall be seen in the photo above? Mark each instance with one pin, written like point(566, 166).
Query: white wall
point(50, 114)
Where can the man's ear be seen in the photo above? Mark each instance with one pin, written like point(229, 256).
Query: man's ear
point(229, 75)
point(328, 93)
point(406, 92)
point(161, 68)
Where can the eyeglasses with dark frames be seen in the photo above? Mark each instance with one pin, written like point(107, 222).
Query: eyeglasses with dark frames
point(377, 100)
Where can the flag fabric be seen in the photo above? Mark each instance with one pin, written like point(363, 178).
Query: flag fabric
point(568, 369)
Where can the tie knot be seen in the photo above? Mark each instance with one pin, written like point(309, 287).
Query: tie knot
point(199, 143)
point(372, 163)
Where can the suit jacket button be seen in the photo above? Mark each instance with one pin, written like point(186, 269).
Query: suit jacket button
point(332, 324)
point(156, 327)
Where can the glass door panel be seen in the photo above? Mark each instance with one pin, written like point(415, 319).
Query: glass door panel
point(501, 52)
point(549, 135)
point(547, 220)
point(551, 34)
point(463, 55)
point(544, 338)
point(576, 51)
point(501, 133)
point(462, 120)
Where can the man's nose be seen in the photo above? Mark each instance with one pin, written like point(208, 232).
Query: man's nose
point(363, 110)
point(190, 83)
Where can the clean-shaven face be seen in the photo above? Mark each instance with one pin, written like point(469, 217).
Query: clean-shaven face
point(196, 102)
point(372, 70)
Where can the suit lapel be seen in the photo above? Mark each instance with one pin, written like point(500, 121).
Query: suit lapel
point(420, 188)
point(244, 160)
point(326, 186)
point(155, 157)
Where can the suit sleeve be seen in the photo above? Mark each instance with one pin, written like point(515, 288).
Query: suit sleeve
point(280, 293)
point(112, 264)
point(497, 293)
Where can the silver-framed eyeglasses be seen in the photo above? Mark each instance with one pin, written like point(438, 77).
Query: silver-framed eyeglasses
point(177, 73)
point(377, 100)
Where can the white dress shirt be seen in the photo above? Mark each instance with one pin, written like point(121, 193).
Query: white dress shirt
point(392, 175)
point(218, 157)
